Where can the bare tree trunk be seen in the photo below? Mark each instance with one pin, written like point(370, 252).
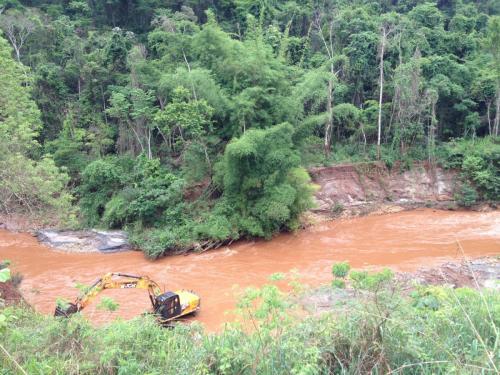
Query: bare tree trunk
point(364, 136)
point(431, 140)
point(190, 78)
point(104, 106)
point(18, 53)
point(333, 75)
point(381, 90)
point(497, 115)
point(329, 122)
point(150, 154)
point(79, 88)
point(137, 136)
point(488, 108)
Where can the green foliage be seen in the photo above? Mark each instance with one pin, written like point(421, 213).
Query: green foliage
point(108, 304)
point(479, 163)
point(62, 303)
point(184, 120)
point(466, 195)
point(4, 275)
point(37, 189)
point(156, 242)
point(363, 280)
point(100, 179)
point(19, 115)
point(200, 90)
point(341, 269)
point(436, 330)
point(338, 283)
point(264, 189)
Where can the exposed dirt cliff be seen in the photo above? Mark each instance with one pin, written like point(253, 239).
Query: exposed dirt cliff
point(361, 188)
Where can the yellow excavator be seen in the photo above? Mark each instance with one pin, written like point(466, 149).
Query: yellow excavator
point(167, 306)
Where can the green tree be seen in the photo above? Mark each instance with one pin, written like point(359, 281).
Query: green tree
point(264, 189)
point(19, 115)
point(184, 119)
point(493, 47)
point(37, 188)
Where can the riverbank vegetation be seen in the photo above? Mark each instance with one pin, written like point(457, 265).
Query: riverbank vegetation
point(192, 123)
point(433, 330)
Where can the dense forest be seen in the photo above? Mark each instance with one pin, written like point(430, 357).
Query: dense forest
point(191, 123)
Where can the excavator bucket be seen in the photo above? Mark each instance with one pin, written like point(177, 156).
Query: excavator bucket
point(66, 310)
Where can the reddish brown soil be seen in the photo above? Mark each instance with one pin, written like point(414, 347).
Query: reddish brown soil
point(364, 184)
point(9, 294)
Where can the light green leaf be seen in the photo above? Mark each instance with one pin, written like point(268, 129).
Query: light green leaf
point(4, 275)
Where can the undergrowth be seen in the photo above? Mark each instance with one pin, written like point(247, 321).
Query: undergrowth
point(435, 330)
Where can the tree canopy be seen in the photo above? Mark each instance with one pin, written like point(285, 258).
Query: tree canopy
point(230, 99)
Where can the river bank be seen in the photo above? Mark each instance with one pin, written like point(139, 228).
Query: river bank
point(343, 191)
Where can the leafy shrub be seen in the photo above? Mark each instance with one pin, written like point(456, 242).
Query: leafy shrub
point(364, 280)
point(437, 330)
point(341, 269)
point(154, 242)
point(36, 188)
point(108, 304)
point(479, 163)
point(466, 195)
point(264, 190)
point(338, 283)
point(100, 180)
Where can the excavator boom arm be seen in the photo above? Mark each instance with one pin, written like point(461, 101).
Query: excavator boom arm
point(115, 281)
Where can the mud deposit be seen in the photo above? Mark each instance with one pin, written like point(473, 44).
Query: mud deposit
point(404, 241)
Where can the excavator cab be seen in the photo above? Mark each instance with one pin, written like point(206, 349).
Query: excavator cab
point(167, 305)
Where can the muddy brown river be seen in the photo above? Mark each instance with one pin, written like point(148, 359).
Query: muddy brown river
point(402, 241)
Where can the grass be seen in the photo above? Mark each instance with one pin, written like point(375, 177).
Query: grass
point(435, 330)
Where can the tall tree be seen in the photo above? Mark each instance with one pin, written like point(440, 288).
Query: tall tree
point(18, 27)
point(386, 28)
point(493, 47)
point(328, 44)
point(410, 103)
point(19, 115)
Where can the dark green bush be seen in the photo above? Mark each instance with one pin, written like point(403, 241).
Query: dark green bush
point(100, 180)
point(264, 189)
point(466, 195)
point(479, 163)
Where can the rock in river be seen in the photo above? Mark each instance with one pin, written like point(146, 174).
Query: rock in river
point(85, 240)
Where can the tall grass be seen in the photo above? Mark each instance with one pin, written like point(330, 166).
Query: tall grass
point(436, 330)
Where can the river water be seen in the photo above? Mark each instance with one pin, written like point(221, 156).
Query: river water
point(403, 241)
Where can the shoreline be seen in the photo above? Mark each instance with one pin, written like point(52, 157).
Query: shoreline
point(105, 241)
